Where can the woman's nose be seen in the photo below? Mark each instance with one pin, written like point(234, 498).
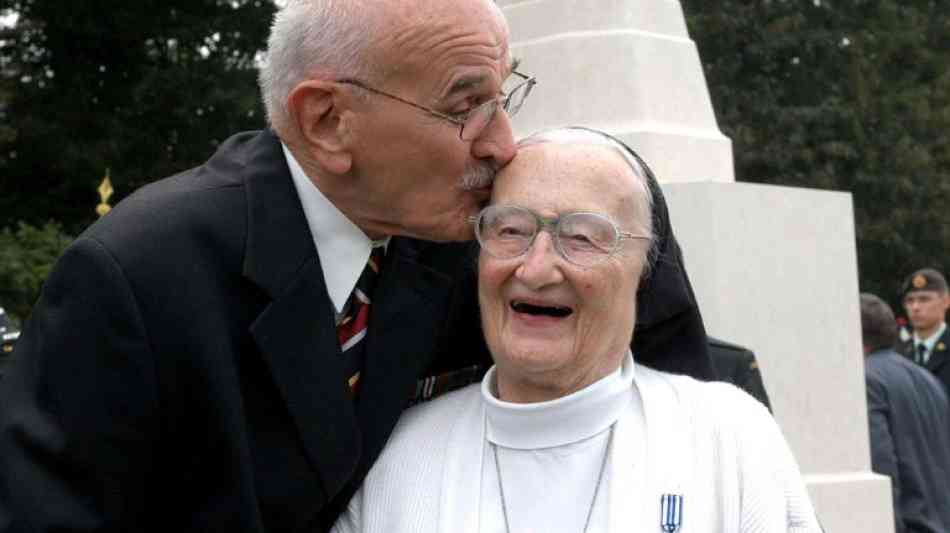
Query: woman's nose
point(541, 264)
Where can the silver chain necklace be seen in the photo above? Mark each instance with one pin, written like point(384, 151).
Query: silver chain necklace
point(593, 500)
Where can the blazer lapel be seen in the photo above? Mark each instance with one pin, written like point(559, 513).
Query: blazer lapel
point(296, 332)
point(410, 303)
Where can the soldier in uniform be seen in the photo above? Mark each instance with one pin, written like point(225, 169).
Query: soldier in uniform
point(926, 300)
point(908, 417)
point(737, 365)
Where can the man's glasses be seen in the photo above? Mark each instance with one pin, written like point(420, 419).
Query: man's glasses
point(473, 122)
point(584, 239)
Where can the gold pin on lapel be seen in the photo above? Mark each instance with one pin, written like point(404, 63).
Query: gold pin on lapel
point(941, 346)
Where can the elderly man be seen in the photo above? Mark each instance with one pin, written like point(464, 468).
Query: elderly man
point(213, 355)
point(909, 420)
point(926, 301)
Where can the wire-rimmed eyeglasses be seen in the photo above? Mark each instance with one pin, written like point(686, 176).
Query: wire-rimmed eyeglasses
point(472, 122)
point(584, 239)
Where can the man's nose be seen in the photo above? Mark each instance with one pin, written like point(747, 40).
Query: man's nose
point(497, 141)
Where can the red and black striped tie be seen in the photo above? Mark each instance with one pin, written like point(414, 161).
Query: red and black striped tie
point(351, 331)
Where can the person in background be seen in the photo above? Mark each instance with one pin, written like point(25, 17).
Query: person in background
point(8, 337)
point(738, 365)
point(926, 301)
point(909, 422)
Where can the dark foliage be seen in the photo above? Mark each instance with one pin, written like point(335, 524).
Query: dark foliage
point(847, 95)
point(145, 88)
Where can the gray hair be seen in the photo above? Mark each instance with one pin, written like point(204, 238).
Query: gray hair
point(584, 136)
point(329, 37)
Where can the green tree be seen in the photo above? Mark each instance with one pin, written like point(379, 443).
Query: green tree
point(26, 258)
point(147, 88)
point(846, 95)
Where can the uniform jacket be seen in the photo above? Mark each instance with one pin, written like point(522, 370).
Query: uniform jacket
point(181, 370)
point(909, 421)
point(939, 362)
point(737, 365)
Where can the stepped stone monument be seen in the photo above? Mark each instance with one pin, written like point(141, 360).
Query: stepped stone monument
point(774, 268)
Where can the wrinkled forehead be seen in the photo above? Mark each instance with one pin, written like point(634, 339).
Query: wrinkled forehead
point(575, 177)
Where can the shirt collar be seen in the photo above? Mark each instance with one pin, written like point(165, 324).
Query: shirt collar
point(342, 246)
point(930, 341)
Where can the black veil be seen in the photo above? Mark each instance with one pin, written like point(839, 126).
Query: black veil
point(669, 333)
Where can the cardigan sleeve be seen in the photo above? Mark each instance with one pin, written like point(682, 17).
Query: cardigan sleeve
point(349, 521)
point(773, 495)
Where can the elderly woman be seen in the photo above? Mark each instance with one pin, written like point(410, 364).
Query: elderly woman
point(567, 432)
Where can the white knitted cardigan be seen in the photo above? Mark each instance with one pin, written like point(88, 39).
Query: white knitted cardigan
point(709, 442)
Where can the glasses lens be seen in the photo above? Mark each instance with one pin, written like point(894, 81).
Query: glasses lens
point(506, 231)
point(478, 119)
point(516, 98)
point(586, 239)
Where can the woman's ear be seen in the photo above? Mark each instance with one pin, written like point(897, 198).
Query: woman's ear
point(316, 108)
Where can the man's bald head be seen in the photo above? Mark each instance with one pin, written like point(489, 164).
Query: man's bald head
point(332, 39)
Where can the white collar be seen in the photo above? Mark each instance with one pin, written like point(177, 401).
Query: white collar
point(930, 341)
point(655, 403)
point(561, 421)
point(342, 246)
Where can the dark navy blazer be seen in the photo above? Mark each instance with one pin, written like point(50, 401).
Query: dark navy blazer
point(909, 419)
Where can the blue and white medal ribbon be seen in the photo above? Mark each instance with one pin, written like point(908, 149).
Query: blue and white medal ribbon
point(671, 512)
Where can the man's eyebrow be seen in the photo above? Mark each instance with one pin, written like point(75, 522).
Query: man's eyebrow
point(465, 83)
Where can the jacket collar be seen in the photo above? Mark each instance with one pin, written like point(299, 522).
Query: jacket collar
point(296, 332)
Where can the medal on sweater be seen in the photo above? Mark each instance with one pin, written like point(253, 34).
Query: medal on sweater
point(671, 512)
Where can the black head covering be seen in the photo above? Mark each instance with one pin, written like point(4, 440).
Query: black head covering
point(669, 334)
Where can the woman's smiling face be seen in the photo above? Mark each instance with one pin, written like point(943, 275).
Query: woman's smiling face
point(554, 327)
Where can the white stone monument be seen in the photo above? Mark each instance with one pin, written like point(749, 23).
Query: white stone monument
point(774, 268)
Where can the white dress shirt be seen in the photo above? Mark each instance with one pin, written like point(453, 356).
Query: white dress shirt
point(342, 246)
point(929, 342)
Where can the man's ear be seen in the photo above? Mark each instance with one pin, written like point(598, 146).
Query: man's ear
point(316, 108)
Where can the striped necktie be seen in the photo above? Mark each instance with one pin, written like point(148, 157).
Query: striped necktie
point(351, 330)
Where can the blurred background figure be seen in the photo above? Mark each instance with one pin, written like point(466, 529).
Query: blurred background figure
point(903, 329)
point(926, 301)
point(737, 365)
point(8, 336)
point(909, 420)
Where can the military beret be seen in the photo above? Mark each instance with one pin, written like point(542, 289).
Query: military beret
point(925, 279)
